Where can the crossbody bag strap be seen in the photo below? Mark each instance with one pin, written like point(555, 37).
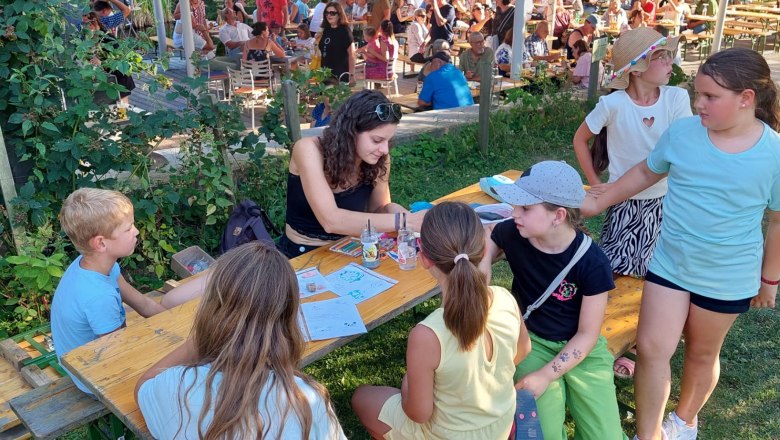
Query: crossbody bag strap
point(586, 241)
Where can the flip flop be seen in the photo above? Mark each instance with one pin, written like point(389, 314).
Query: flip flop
point(627, 364)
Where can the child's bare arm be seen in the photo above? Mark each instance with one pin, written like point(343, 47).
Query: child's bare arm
point(581, 150)
point(492, 251)
point(181, 355)
point(523, 344)
point(190, 290)
point(422, 358)
point(770, 267)
point(142, 304)
point(578, 347)
point(638, 178)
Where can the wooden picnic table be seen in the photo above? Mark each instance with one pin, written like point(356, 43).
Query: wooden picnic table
point(757, 8)
point(110, 366)
point(709, 18)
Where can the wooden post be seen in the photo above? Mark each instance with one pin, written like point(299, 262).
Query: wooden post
point(599, 52)
point(291, 117)
point(9, 192)
point(485, 96)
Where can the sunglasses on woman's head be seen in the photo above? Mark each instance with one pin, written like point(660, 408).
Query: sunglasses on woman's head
point(331, 13)
point(386, 110)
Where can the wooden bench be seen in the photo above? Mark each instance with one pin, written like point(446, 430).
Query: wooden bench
point(622, 315)
point(49, 405)
point(54, 409)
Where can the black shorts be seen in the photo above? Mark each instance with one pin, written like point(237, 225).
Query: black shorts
point(711, 304)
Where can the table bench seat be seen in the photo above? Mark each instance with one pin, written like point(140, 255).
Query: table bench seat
point(54, 409)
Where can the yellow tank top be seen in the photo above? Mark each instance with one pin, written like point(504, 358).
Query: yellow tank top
point(474, 397)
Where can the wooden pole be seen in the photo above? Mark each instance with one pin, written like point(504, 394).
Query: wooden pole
point(9, 192)
point(291, 117)
point(485, 96)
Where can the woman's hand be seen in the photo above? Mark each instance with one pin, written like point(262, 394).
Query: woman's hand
point(535, 382)
point(765, 298)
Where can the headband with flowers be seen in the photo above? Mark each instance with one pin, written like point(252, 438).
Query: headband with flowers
point(619, 73)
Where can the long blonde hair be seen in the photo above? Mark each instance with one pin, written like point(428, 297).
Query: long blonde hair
point(246, 328)
point(448, 230)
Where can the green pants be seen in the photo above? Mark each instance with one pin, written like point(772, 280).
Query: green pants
point(588, 390)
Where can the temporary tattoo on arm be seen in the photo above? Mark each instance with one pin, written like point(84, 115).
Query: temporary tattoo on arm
point(556, 367)
point(564, 357)
point(576, 353)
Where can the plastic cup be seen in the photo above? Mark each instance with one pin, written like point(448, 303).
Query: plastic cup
point(370, 241)
point(407, 249)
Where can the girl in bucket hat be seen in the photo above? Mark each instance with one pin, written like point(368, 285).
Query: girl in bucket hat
point(627, 124)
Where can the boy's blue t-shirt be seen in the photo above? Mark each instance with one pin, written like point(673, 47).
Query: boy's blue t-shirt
point(446, 88)
point(711, 241)
point(160, 400)
point(86, 304)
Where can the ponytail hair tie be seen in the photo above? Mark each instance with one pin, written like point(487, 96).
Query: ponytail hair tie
point(460, 257)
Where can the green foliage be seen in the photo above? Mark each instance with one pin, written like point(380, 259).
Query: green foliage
point(28, 280)
point(312, 89)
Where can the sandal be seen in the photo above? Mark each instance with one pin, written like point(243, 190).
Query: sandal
point(624, 368)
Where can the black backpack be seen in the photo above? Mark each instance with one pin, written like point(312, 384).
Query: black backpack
point(248, 222)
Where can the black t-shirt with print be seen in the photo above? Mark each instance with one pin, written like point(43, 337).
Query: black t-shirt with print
point(444, 32)
point(557, 319)
point(333, 46)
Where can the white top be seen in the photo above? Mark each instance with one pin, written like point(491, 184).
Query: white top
point(633, 130)
point(158, 399)
point(307, 45)
point(317, 16)
point(359, 11)
point(415, 35)
point(239, 32)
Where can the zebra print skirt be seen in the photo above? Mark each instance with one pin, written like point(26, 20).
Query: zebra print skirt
point(629, 234)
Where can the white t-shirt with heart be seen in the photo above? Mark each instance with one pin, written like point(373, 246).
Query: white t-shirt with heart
point(633, 130)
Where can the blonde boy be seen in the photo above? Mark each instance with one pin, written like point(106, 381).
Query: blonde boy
point(88, 301)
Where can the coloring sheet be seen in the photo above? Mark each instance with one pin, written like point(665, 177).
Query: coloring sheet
point(311, 277)
point(331, 318)
point(358, 283)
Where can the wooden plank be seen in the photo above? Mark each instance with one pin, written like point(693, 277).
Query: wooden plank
point(14, 354)
point(18, 432)
point(56, 408)
point(34, 376)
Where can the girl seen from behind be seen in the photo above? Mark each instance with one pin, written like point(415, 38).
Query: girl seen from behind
point(711, 262)
point(569, 366)
point(460, 359)
point(237, 375)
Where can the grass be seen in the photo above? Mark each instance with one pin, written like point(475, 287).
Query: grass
point(746, 404)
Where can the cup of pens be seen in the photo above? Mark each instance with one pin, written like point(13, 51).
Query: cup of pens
point(370, 241)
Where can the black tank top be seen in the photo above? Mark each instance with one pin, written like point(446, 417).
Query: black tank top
point(569, 52)
point(301, 218)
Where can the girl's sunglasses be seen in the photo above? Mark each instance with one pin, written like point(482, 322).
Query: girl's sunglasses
point(331, 13)
point(386, 110)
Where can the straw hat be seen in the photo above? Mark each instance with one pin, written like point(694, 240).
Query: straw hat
point(632, 51)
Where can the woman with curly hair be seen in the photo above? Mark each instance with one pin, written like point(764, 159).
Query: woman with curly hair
point(339, 181)
point(237, 375)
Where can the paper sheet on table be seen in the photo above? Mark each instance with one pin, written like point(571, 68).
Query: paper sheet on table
point(357, 283)
point(331, 318)
point(311, 276)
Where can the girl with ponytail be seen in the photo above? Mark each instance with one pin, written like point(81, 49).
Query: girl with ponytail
point(461, 358)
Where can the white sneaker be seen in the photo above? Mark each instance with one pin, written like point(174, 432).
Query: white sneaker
point(675, 428)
